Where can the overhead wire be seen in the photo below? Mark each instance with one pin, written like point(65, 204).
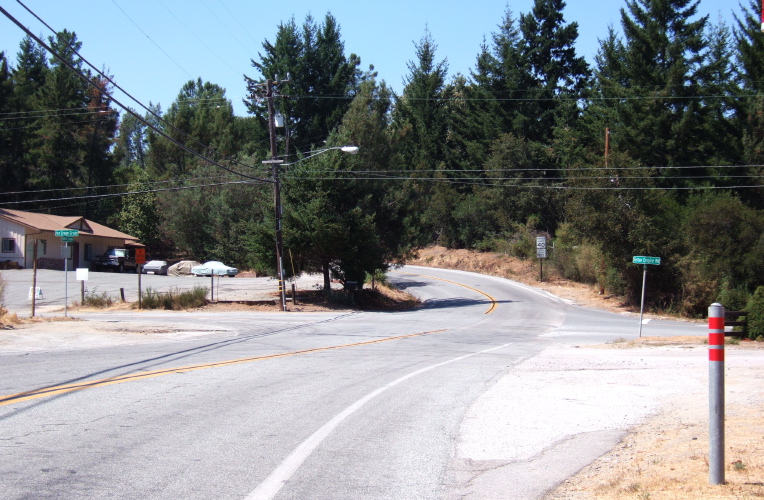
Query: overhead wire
point(151, 40)
point(146, 108)
point(126, 108)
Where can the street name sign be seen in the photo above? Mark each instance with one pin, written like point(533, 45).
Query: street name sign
point(67, 239)
point(71, 233)
point(640, 259)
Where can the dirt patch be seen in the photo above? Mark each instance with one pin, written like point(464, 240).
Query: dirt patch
point(666, 457)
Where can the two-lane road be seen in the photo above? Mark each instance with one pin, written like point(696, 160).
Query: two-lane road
point(284, 405)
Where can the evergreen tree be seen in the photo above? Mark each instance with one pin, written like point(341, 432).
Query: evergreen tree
point(27, 77)
point(503, 72)
point(57, 150)
point(750, 71)
point(556, 76)
point(421, 109)
point(201, 118)
point(660, 63)
point(323, 79)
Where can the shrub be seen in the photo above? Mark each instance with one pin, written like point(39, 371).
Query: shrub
point(94, 299)
point(755, 309)
point(174, 300)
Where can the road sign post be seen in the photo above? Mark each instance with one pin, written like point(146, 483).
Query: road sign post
point(645, 261)
point(67, 236)
point(541, 254)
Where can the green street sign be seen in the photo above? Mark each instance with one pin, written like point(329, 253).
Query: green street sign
point(67, 239)
point(640, 259)
point(71, 233)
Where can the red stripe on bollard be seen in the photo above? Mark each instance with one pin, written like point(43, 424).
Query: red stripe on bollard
point(716, 354)
point(716, 323)
point(715, 338)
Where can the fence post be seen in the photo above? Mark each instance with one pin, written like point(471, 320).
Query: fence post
point(716, 393)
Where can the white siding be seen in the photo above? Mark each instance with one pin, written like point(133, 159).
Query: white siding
point(10, 229)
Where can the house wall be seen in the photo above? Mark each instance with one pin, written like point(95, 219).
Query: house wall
point(11, 230)
point(49, 248)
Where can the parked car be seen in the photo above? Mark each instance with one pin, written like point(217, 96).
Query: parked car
point(214, 267)
point(116, 259)
point(155, 267)
point(182, 268)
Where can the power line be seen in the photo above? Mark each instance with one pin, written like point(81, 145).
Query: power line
point(127, 193)
point(151, 40)
point(127, 109)
point(147, 109)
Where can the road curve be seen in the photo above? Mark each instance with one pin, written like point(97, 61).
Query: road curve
point(318, 405)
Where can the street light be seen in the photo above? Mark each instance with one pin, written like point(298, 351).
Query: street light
point(276, 164)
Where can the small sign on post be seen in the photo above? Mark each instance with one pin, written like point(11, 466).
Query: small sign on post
point(541, 254)
point(82, 277)
point(645, 261)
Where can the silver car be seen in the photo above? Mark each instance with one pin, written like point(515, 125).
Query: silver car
point(155, 267)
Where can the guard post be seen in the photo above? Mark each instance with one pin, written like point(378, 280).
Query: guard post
point(716, 394)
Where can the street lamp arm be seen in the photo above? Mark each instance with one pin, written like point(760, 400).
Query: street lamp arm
point(345, 149)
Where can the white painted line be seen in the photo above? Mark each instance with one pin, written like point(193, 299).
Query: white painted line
point(270, 487)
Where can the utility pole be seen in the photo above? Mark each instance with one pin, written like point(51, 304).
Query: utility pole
point(269, 95)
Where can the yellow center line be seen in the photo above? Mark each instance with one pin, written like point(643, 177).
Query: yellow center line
point(493, 300)
point(62, 389)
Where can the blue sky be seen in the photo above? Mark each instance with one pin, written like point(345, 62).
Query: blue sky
point(153, 47)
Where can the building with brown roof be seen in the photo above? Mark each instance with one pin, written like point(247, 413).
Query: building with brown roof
point(19, 230)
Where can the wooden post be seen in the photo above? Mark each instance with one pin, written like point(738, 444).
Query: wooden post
point(34, 275)
point(140, 292)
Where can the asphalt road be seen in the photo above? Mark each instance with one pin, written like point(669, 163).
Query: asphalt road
point(287, 405)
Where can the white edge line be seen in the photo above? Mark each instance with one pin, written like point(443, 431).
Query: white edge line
point(270, 487)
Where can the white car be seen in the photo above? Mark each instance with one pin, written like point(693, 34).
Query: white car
point(214, 267)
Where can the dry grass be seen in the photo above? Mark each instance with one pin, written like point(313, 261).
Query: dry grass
point(667, 458)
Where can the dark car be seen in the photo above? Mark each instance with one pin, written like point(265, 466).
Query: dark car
point(116, 259)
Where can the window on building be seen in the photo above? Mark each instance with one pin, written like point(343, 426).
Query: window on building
point(88, 251)
point(9, 245)
point(44, 247)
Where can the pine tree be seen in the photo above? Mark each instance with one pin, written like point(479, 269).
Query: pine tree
point(660, 62)
point(57, 149)
point(323, 79)
point(556, 76)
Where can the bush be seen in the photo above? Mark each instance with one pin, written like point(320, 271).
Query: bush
point(175, 300)
point(733, 299)
point(101, 300)
point(755, 309)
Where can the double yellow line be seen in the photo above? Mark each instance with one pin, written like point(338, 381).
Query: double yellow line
point(493, 300)
point(63, 389)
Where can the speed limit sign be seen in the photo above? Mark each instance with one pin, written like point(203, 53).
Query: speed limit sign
point(541, 247)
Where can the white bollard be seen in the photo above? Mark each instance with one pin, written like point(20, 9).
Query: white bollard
point(716, 394)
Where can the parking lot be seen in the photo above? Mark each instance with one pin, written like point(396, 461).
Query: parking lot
point(54, 288)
